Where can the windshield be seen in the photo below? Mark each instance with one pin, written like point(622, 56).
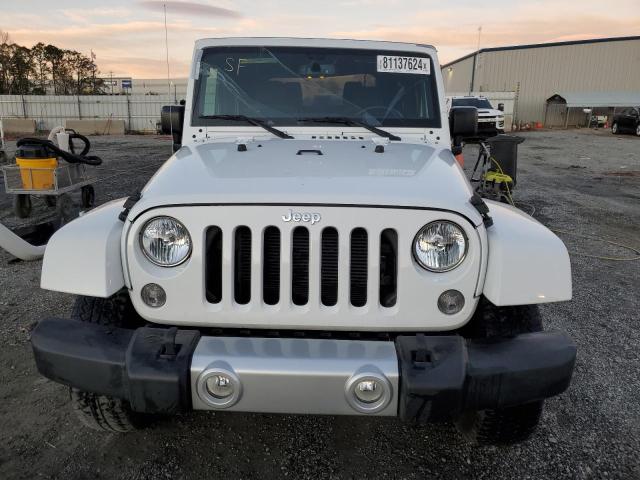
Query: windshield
point(291, 85)
point(471, 102)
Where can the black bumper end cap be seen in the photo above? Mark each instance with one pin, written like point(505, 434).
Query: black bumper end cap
point(133, 365)
point(464, 375)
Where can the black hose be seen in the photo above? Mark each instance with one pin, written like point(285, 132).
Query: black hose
point(73, 134)
point(69, 157)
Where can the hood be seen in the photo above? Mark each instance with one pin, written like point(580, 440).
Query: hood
point(293, 172)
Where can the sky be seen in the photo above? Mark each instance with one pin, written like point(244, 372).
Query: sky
point(128, 37)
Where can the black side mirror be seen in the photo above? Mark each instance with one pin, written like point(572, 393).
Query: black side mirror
point(463, 123)
point(171, 121)
point(501, 107)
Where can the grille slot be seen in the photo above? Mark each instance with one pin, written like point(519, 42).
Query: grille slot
point(242, 266)
point(300, 266)
point(329, 267)
point(213, 266)
point(358, 268)
point(271, 266)
point(388, 267)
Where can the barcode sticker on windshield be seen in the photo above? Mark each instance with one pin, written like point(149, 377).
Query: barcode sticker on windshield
point(393, 64)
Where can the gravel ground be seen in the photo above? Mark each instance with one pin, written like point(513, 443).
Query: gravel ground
point(581, 182)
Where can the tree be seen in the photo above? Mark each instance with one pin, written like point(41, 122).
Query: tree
point(55, 58)
point(41, 67)
point(44, 68)
point(5, 60)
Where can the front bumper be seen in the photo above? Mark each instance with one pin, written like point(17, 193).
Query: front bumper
point(423, 377)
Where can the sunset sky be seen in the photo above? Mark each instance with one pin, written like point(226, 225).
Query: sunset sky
point(128, 36)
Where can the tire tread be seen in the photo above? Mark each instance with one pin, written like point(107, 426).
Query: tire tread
point(509, 425)
point(100, 412)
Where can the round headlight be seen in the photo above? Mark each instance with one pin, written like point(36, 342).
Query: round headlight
point(440, 246)
point(165, 241)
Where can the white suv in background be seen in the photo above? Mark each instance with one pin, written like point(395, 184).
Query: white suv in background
point(490, 120)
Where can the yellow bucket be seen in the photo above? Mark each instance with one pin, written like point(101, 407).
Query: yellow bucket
point(37, 173)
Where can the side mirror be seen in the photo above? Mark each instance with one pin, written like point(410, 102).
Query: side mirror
point(463, 123)
point(501, 107)
point(171, 122)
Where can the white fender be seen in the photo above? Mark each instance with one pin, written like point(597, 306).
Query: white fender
point(527, 263)
point(83, 257)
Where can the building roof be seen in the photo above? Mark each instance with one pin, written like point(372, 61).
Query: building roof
point(597, 99)
point(543, 45)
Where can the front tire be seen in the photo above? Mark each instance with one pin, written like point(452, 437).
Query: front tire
point(638, 130)
point(101, 412)
point(509, 425)
point(614, 129)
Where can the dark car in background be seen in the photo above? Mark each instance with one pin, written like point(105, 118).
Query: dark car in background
point(627, 120)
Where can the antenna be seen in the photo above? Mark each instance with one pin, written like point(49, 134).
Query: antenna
point(166, 45)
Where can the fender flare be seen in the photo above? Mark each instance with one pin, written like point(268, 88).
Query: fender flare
point(527, 262)
point(83, 257)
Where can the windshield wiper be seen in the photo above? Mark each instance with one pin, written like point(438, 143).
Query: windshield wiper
point(253, 121)
point(354, 123)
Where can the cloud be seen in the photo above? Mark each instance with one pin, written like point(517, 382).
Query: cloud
point(521, 28)
point(190, 8)
point(84, 15)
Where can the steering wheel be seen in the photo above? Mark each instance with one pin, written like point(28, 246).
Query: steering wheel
point(393, 113)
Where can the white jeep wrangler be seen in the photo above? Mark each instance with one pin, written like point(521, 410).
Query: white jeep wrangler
point(311, 247)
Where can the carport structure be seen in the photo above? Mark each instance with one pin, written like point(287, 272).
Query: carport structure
point(566, 108)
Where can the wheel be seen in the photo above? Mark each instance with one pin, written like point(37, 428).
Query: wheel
point(88, 196)
point(638, 130)
point(614, 128)
point(506, 425)
point(22, 205)
point(50, 200)
point(65, 208)
point(101, 412)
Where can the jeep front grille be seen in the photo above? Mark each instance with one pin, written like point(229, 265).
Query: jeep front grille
point(289, 259)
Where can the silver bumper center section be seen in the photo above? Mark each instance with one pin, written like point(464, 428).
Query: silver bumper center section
point(283, 375)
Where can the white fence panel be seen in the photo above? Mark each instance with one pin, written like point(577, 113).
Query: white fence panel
point(140, 112)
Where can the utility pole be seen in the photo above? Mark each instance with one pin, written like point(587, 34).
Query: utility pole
point(475, 63)
point(111, 81)
point(93, 68)
point(166, 45)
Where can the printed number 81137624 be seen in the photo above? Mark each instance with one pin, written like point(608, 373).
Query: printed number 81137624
point(397, 64)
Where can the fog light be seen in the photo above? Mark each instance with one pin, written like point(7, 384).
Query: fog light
point(368, 391)
point(220, 386)
point(450, 302)
point(153, 295)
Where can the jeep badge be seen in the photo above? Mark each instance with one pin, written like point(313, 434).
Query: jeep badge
point(301, 217)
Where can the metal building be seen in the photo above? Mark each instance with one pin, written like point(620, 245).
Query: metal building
point(536, 72)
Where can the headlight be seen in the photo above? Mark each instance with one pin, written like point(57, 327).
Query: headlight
point(165, 241)
point(440, 246)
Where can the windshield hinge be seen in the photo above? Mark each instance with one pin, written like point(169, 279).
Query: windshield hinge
point(128, 205)
point(482, 208)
